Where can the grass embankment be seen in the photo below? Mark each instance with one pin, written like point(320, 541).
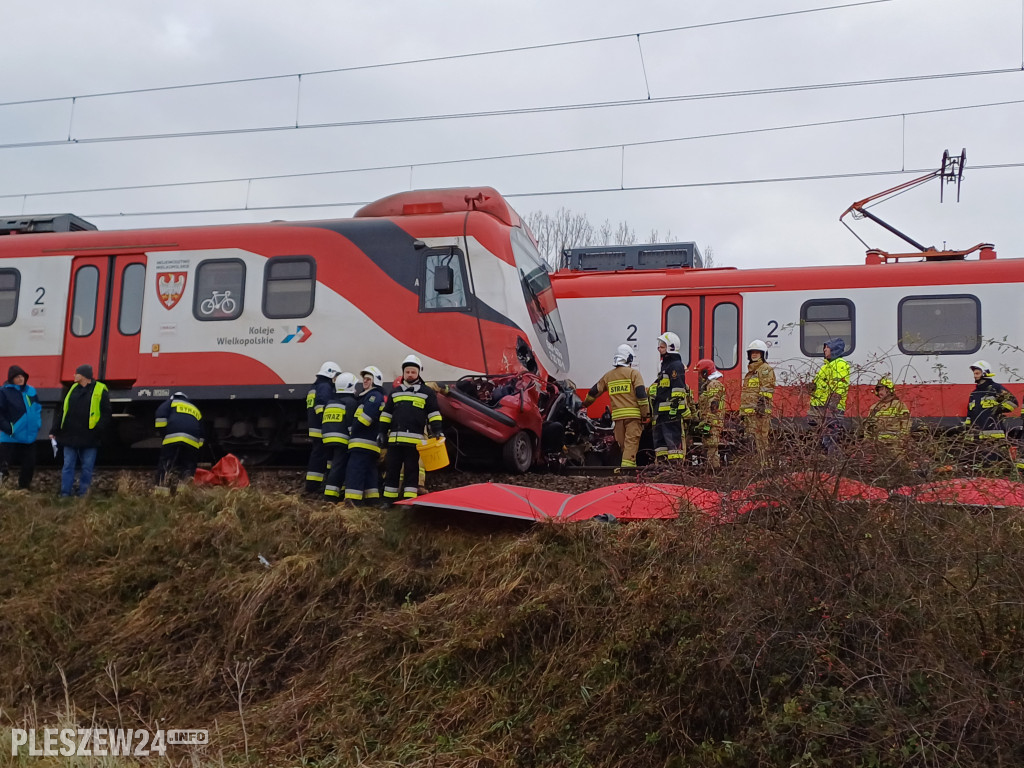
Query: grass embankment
point(819, 634)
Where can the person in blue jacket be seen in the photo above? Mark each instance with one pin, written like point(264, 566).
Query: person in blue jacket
point(21, 416)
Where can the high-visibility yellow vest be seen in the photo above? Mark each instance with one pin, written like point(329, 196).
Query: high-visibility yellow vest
point(98, 389)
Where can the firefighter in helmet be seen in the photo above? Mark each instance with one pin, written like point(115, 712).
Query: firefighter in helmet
point(670, 400)
point(888, 422)
point(629, 403)
point(336, 425)
point(711, 410)
point(757, 397)
point(319, 393)
point(362, 482)
point(987, 408)
point(411, 409)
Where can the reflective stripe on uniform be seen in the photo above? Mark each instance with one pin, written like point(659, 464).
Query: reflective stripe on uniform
point(183, 437)
point(363, 443)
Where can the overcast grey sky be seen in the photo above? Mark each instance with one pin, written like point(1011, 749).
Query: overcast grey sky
point(57, 50)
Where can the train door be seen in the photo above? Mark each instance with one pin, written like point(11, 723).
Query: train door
point(708, 327)
point(105, 317)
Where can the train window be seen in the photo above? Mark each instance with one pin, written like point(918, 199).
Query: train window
point(220, 286)
point(10, 279)
point(677, 320)
point(725, 326)
point(438, 293)
point(824, 319)
point(133, 288)
point(939, 325)
point(289, 286)
point(83, 309)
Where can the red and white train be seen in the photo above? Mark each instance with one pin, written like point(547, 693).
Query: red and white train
point(241, 317)
point(921, 321)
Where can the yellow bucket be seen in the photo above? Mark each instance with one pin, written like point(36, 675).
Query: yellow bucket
point(434, 454)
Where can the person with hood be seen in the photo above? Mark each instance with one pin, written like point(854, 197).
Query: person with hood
point(987, 408)
point(316, 400)
point(630, 406)
point(711, 409)
point(828, 400)
point(361, 477)
point(181, 423)
point(408, 413)
point(757, 398)
point(888, 422)
point(670, 400)
point(83, 419)
point(21, 416)
point(337, 422)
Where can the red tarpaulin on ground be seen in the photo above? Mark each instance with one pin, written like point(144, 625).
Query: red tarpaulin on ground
point(626, 501)
point(967, 491)
point(228, 471)
point(637, 501)
point(817, 484)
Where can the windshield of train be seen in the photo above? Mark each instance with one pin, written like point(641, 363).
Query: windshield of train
point(540, 299)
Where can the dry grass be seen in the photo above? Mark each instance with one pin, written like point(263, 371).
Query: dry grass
point(814, 633)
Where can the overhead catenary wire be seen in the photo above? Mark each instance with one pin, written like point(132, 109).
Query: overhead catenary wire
point(561, 192)
point(448, 57)
point(622, 146)
point(518, 110)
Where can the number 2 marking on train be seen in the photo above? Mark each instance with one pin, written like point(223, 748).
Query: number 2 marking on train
point(773, 326)
point(40, 291)
point(632, 332)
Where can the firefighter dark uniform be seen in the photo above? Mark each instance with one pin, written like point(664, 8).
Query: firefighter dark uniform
point(181, 423)
point(362, 482)
point(335, 427)
point(711, 410)
point(757, 398)
point(670, 402)
point(316, 400)
point(629, 403)
point(411, 409)
point(987, 408)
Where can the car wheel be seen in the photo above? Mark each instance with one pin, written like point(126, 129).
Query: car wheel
point(517, 453)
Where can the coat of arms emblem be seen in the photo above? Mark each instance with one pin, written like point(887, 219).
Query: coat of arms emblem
point(170, 286)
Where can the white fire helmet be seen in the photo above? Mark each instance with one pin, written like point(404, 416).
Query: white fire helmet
point(983, 366)
point(671, 341)
point(329, 369)
point(345, 384)
point(374, 371)
point(412, 360)
point(623, 355)
point(757, 346)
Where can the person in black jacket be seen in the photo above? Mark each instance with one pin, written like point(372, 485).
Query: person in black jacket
point(337, 426)
point(361, 477)
point(987, 408)
point(20, 419)
point(84, 417)
point(410, 410)
point(182, 425)
point(670, 401)
point(316, 400)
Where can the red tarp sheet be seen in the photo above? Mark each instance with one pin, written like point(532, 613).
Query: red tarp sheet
point(228, 471)
point(967, 491)
point(818, 484)
point(627, 501)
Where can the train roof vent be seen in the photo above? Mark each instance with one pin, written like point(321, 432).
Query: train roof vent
point(613, 258)
point(47, 222)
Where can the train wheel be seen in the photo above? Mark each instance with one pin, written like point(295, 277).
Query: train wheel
point(517, 453)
